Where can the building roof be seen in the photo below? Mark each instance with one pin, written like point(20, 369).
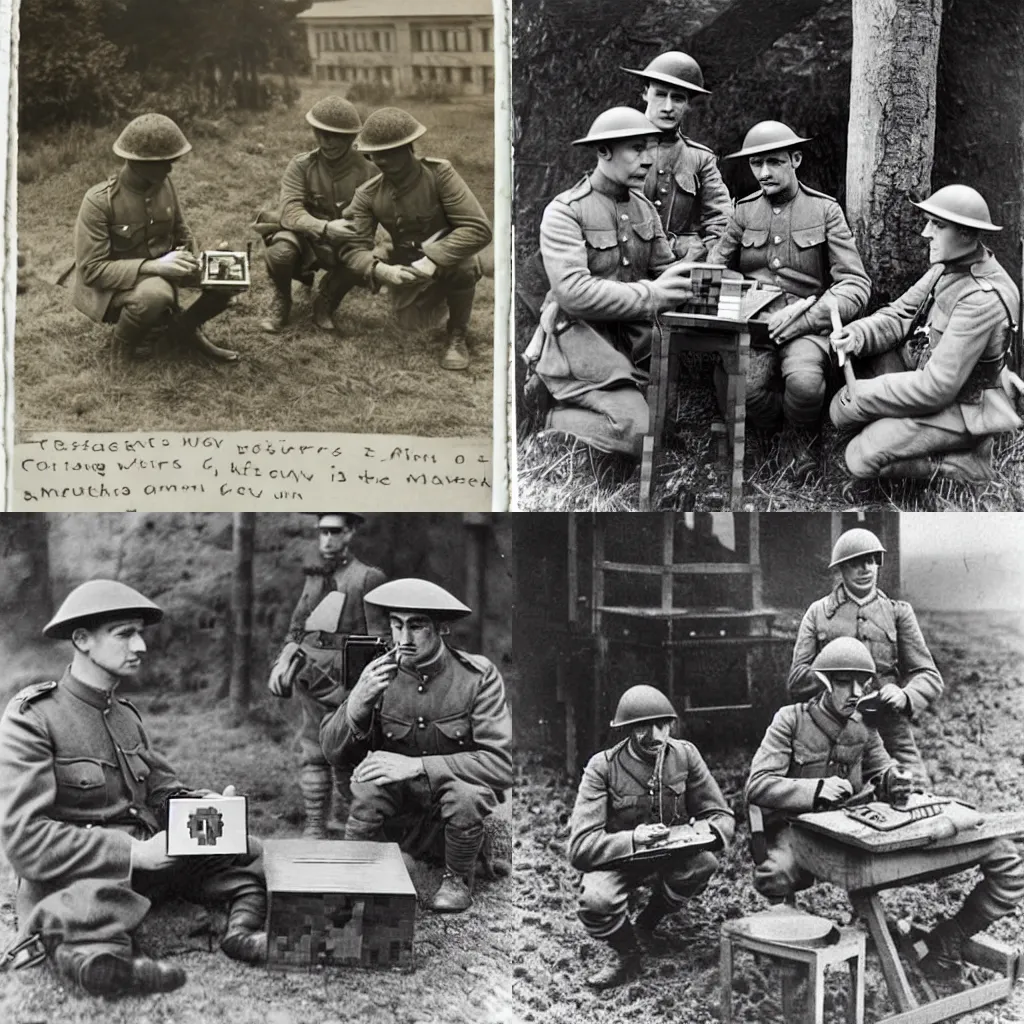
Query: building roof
point(386, 10)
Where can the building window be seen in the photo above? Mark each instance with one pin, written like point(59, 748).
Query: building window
point(467, 76)
point(486, 43)
point(321, 72)
point(387, 41)
point(489, 78)
point(330, 71)
point(376, 42)
point(385, 75)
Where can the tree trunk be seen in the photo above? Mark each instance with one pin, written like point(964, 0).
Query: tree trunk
point(243, 545)
point(25, 601)
point(891, 135)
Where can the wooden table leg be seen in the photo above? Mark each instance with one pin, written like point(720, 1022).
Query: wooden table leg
point(725, 979)
point(869, 907)
point(735, 364)
point(657, 401)
point(855, 1002)
point(646, 473)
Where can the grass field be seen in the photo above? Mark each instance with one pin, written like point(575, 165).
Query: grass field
point(374, 378)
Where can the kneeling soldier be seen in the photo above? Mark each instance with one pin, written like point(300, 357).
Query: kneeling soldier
point(133, 249)
point(436, 224)
point(429, 731)
point(938, 399)
point(84, 797)
point(628, 798)
point(303, 235)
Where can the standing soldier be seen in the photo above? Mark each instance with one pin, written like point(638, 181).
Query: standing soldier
point(436, 225)
point(429, 731)
point(133, 249)
point(606, 257)
point(684, 182)
point(937, 401)
point(318, 685)
point(84, 797)
point(797, 239)
point(906, 679)
point(629, 797)
point(303, 234)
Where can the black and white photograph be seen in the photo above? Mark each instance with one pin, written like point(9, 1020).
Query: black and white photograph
point(256, 215)
point(768, 255)
point(771, 768)
point(256, 768)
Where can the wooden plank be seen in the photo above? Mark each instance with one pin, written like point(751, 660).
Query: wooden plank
point(644, 612)
point(754, 555)
point(725, 979)
point(953, 1006)
point(646, 473)
point(871, 911)
point(598, 697)
point(668, 544)
point(573, 574)
point(738, 409)
point(680, 568)
point(984, 951)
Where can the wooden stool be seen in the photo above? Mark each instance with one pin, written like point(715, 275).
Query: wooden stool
point(745, 933)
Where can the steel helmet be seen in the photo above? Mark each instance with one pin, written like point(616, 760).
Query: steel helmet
point(100, 601)
point(673, 68)
point(617, 123)
point(346, 518)
point(388, 128)
point(642, 703)
point(334, 114)
point(844, 654)
point(151, 137)
point(855, 543)
point(413, 595)
point(767, 136)
point(959, 204)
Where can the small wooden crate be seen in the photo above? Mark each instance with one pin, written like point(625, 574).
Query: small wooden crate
point(337, 904)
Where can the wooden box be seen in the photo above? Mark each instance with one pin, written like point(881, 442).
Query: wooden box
point(337, 904)
point(207, 826)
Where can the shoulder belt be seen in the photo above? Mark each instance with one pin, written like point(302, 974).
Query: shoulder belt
point(477, 662)
point(815, 192)
point(34, 692)
point(128, 704)
point(987, 286)
point(697, 145)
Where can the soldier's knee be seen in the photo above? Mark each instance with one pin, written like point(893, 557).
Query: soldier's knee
point(857, 461)
point(463, 275)
point(281, 255)
point(598, 901)
point(151, 299)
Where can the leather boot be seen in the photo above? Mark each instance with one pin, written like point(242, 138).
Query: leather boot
point(456, 355)
point(315, 783)
point(973, 467)
point(131, 342)
point(461, 849)
point(359, 831)
point(280, 310)
point(245, 937)
point(333, 288)
point(341, 798)
point(921, 468)
point(650, 917)
point(110, 974)
point(945, 959)
point(453, 896)
point(626, 964)
point(189, 327)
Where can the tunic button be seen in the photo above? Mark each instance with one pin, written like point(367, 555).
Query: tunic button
point(775, 209)
point(663, 191)
point(624, 238)
point(132, 811)
point(625, 216)
point(657, 202)
point(625, 261)
point(777, 239)
point(390, 735)
point(419, 689)
point(776, 262)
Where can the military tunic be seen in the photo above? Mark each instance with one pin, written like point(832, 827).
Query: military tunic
point(687, 190)
point(621, 790)
point(890, 631)
point(600, 245)
point(949, 394)
point(452, 713)
point(79, 780)
point(431, 200)
point(805, 247)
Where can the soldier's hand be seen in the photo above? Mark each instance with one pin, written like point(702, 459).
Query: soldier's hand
point(173, 265)
point(425, 266)
point(396, 276)
point(151, 854)
point(673, 287)
point(1012, 385)
point(276, 684)
point(846, 341)
point(901, 784)
point(339, 231)
point(833, 789)
point(375, 679)
point(894, 698)
point(383, 767)
point(648, 835)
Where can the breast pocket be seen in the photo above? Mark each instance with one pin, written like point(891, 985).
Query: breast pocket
point(137, 764)
point(81, 783)
point(457, 732)
point(395, 730)
point(126, 237)
point(807, 762)
point(674, 801)
point(807, 243)
point(602, 251)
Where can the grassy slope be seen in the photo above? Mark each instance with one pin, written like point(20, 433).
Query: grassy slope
point(373, 379)
point(461, 974)
point(971, 747)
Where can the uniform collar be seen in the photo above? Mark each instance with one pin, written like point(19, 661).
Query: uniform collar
point(399, 186)
point(839, 597)
point(88, 694)
point(127, 180)
point(430, 670)
point(336, 167)
point(599, 183)
point(825, 718)
point(964, 264)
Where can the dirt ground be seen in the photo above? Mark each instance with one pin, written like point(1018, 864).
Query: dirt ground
point(971, 744)
point(461, 973)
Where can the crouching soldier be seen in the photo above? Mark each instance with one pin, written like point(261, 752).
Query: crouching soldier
point(303, 234)
point(318, 685)
point(938, 398)
point(428, 728)
point(84, 797)
point(437, 230)
point(629, 797)
point(134, 251)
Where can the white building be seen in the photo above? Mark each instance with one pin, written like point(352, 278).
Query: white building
point(403, 43)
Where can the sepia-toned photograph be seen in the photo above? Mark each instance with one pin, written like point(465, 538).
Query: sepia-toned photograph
point(769, 256)
point(256, 768)
point(764, 758)
point(248, 215)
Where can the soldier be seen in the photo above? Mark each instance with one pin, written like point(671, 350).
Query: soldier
point(84, 797)
point(436, 225)
point(684, 182)
point(628, 798)
point(797, 239)
point(938, 400)
point(318, 685)
point(304, 233)
point(133, 249)
point(429, 730)
point(906, 679)
point(814, 756)
point(605, 255)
